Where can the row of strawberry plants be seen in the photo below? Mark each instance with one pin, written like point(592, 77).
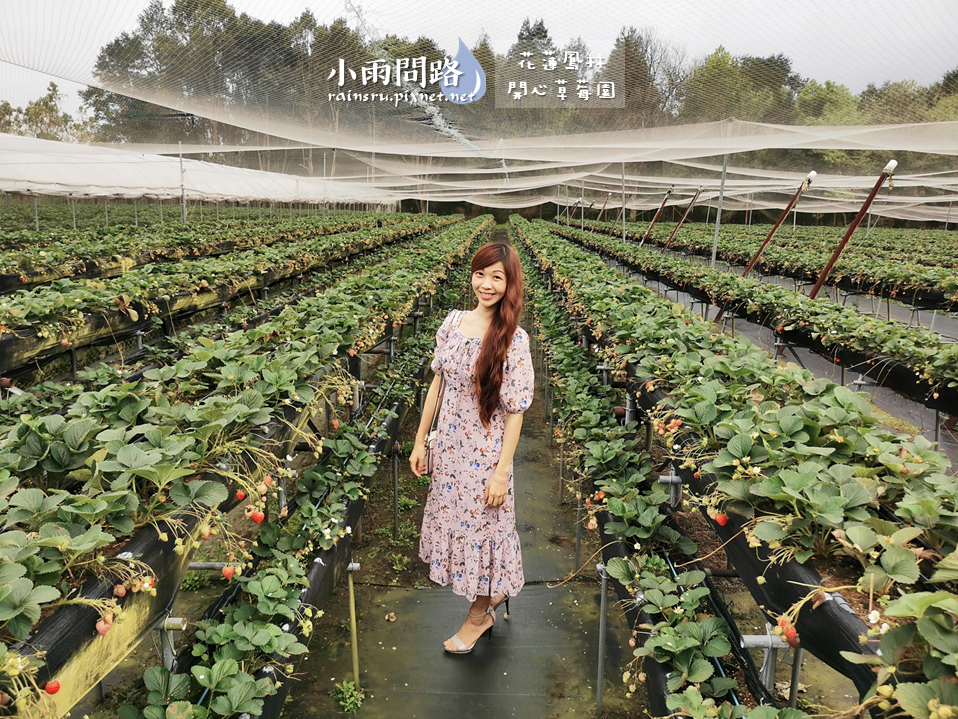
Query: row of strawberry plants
point(53, 396)
point(134, 445)
point(927, 279)
point(931, 247)
point(42, 257)
point(870, 344)
point(74, 314)
point(52, 308)
point(60, 214)
point(793, 467)
point(688, 648)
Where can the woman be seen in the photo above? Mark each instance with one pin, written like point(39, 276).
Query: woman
point(469, 533)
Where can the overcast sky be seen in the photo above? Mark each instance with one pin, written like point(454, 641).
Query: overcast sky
point(853, 42)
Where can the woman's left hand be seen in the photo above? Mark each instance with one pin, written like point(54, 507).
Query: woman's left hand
point(497, 487)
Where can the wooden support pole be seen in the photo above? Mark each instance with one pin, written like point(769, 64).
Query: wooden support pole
point(886, 173)
point(648, 232)
point(601, 212)
point(675, 231)
point(798, 193)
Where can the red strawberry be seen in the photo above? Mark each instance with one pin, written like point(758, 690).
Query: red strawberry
point(334, 424)
point(721, 519)
point(52, 687)
point(240, 494)
point(103, 627)
point(119, 591)
point(258, 516)
point(790, 632)
point(267, 480)
point(228, 571)
point(794, 642)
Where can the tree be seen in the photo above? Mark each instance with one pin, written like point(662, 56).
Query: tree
point(43, 118)
point(714, 89)
point(645, 68)
point(773, 88)
point(828, 104)
point(948, 85)
point(895, 103)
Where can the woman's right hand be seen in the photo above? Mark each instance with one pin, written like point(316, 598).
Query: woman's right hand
point(417, 459)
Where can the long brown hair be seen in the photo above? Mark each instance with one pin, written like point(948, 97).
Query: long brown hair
point(495, 344)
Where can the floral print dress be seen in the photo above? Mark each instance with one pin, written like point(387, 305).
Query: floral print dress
point(467, 544)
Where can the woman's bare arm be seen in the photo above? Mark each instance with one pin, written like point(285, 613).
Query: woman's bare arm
point(497, 487)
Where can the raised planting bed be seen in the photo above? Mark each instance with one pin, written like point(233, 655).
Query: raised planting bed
point(885, 351)
point(63, 329)
point(74, 651)
point(614, 472)
point(925, 277)
point(801, 461)
point(43, 257)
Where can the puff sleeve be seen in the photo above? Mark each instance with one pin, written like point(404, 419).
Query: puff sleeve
point(442, 337)
point(518, 380)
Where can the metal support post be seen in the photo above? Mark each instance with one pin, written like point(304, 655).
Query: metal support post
point(578, 526)
point(605, 373)
point(648, 436)
point(623, 203)
point(770, 643)
point(354, 637)
point(779, 347)
point(796, 675)
point(551, 413)
point(357, 399)
point(167, 649)
point(396, 490)
point(182, 187)
point(603, 607)
point(718, 211)
point(674, 483)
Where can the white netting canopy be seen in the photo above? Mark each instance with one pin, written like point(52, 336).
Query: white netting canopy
point(344, 99)
point(32, 166)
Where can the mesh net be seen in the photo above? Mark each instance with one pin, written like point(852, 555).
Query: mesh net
point(336, 93)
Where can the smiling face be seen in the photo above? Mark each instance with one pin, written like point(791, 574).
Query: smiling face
point(489, 284)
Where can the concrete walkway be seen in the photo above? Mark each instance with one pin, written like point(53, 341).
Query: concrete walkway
point(539, 663)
